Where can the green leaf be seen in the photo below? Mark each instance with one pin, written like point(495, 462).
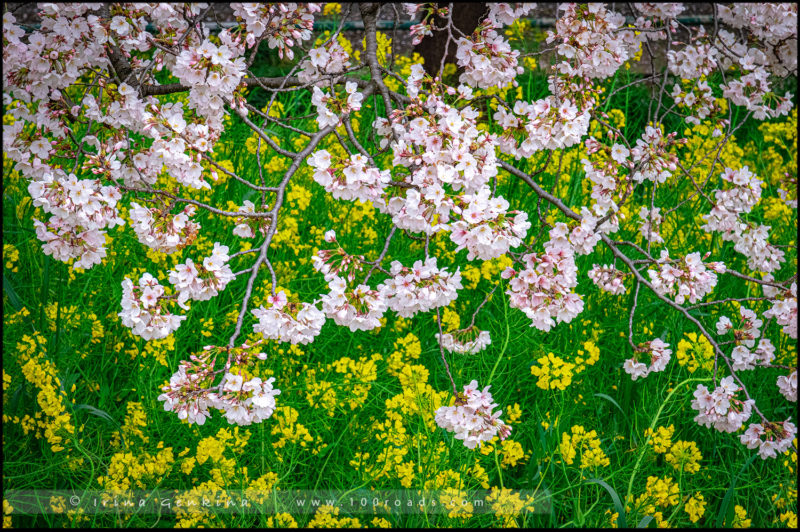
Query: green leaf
point(621, 522)
point(13, 298)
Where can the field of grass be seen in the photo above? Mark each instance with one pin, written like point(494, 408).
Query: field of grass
point(592, 447)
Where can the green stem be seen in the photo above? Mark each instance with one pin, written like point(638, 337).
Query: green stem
point(652, 426)
point(505, 343)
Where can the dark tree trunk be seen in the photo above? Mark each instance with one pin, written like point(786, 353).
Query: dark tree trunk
point(466, 17)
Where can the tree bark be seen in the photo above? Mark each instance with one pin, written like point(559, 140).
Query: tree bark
point(466, 17)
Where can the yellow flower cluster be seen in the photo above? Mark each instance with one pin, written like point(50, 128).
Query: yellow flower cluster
point(52, 422)
point(508, 504)
point(553, 372)
point(684, 456)
point(135, 420)
point(695, 351)
point(661, 438)
point(406, 350)
point(10, 257)
point(350, 387)
point(695, 507)
point(585, 443)
point(659, 493)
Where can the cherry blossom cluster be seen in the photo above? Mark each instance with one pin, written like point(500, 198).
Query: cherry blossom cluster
point(750, 239)
point(160, 230)
point(721, 408)
point(337, 262)
point(81, 209)
point(189, 393)
point(246, 402)
point(504, 14)
point(421, 288)
point(144, 309)
point(748, 330)
point(784, 307)
point(697, 102)
point(659, 357)
point(246, 226)
point(660, 10)
point(649, 226)
point(544, 289)
point(604, 173)
point(686, 278)
point(775, 25)
point(332, 108)
point(745, 193)
point(487, 229)
point(693, 60)
point(213, 73)
point(744, 359)
point(472, 419)
point(753, 92)
point(330, 58)
point(359, 308)
point(654, 161)
point(173, 138)
point(787, 384)
point(608, 279)
point(544, 124)
point(443, 147)
point(202, 282)
point(296, 323)
point(589, 38)
point(350, 178)
point(283, 25)
point(487, 59)
point(465, 341)
point(771, 439)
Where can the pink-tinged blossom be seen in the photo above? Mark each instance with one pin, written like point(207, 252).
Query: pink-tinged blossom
point(544, 289)
point(687, 278)
point(350, 178)
point(487, 229)
point(144, 309)
point(282, 25)
point(721, 408)
point(332, 108)
point(329, 58)
point(608, 278)
point(504, 14)
point(466, 341)
point(651, 157)
point(650, 225)
point(472, 419)
point(359, 308)
point(659, 353)
point(590, 41)
point(421, 288)
point(784, 308)
point(80, 209)
point(246, 402)
point(296, 323)
point(771, 439)
point(201, 282)
point(161, 230)
point(487, 59)
point(787, 384)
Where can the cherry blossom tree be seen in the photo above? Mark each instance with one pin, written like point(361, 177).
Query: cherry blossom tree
point(93, 128)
